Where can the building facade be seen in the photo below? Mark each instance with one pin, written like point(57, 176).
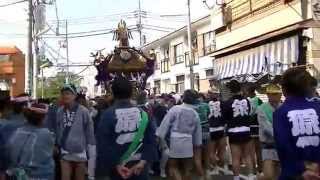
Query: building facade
point(12, 70)
point(256, 39)
point(252, 41)
point(173, 66)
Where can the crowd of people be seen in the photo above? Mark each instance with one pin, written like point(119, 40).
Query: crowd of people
point(121, 137)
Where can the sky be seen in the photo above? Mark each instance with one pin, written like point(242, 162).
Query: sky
point(88, 15)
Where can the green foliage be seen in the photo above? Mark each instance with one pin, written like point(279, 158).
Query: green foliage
point(53, 85)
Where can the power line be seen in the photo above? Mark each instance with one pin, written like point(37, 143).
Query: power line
point(89, 35)
point(13, 3)
point(83, 32)
point(95, 18)
point(53, 50)
point(160, 30)
point(161, 27)
point(86, 68)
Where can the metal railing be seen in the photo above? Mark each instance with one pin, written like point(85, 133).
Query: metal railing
point(187, 59)
point(242, 8)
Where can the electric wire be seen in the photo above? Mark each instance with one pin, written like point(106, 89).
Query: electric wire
point(13, 3)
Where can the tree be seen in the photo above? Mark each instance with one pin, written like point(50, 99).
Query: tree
point(53, 85)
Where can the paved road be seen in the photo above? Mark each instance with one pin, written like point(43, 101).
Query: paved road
point(222, 177)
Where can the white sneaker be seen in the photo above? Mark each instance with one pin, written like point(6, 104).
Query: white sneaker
point(163, 174)
point(251, 177)
point(213, 172)
point(151, 172)
point(236, 177)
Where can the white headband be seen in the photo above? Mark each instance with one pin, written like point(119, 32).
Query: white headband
point(21, 99)
point(39, 110)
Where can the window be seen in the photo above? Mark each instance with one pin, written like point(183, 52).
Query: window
point(187, 58)
point(209, 73)
point(196, 82)
point(167, 85)
point(4, 58)
point(208, 42)
point(165, 65)
point(180, 84)
point(158, 60)
point(178, 54)
point(157, 87)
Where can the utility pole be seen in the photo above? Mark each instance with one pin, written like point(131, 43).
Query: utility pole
point(42, 84)
point(30, 54)
point(191, 57)
point(140, 23)
point(67, 49)
point(35, 69)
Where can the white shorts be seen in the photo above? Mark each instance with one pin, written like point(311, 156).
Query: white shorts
point(270, 154)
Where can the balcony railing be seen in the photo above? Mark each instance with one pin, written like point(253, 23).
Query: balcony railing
point(179, 59)
point(187, 59)
point(242, 8)
point(209, 49)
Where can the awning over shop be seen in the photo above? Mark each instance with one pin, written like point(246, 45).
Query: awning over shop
point(271, 58)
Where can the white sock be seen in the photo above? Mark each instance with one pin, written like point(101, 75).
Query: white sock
point(251, 176)
point(236, 177)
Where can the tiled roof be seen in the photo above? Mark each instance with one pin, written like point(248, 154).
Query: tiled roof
point(9, 50)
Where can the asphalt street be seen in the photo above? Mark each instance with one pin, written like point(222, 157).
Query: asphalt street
point(220, 177)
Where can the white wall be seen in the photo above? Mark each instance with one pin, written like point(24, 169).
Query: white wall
point(181, 69)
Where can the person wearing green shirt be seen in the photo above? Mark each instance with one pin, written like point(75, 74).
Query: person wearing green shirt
point(271, 166)
point(203, 111)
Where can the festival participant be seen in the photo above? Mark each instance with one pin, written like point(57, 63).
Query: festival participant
point(182, 125)
point(313, 89)
point(4, 101)
point(296, 128)
point(103, 103)
point(3, 158)
point(125, 137)
point(16, 118)
point(12, 120)
point(271, 166)
point(50, 122)
point(82, 100)
point(31, 147)
point(18, 103)
point(255, 101)
point(236, 111)
point(217, 133)
point(203, 155)
point(160, 109)
point(75, 137)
